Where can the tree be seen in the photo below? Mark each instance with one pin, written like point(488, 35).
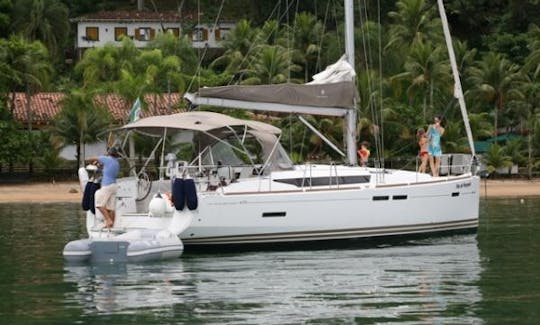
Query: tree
point(308, 33)
point(480, 125)
point(271, 66)
point(171, 45)
point(496, 158)
point(413, 21)
point(514, 149)
point(531, 104)
point(5, 19)
point(80, 121)
point(238, 45)
point(14, 141)
point(44, 20)
point(28, 69)
point(426, 70)
point(494, 77)
point(271, 34)
point(100, 66)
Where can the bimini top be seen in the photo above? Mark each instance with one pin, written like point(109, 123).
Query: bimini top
point(196, 121)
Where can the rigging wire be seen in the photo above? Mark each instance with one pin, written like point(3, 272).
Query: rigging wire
point(288, 42)
point(380, 80)
point(375, 103)
point(254, 44)
point(318, 66)
point(201, 57)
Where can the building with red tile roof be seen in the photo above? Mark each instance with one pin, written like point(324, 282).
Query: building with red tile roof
point(109, 27)
point(44, 106)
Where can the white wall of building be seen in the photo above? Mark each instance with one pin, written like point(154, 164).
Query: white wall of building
point(106, 33)
point(91, 150)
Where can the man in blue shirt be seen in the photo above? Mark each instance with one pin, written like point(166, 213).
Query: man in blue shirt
point(105, 197)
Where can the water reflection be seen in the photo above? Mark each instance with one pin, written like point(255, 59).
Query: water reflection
point(431, 280)
point(111, 288)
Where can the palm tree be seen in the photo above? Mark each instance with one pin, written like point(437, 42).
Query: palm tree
point(238, 45)
point(496, 158)
point(307, 32)
point(271, 34)
point(271, 66)
point(80, 121)
point(414, 21)
point(5, 19)
point(30, 68)
point(454, 138)
point(426, 69)
point(494, 77)
point(480, 125)
point(179, 47)
point(6, 72)
point(530, 112)
point(513, 149)
point(102, 65)
point(44, 20)
point(532, 62)
point(531, 93)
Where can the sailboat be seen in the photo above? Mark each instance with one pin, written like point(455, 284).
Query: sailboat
point(241, 188)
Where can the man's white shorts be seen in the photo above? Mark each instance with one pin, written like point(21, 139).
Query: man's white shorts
point(106, 196)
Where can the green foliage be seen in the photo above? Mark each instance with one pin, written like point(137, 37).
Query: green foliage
point(514, 150)
point(25, 64)
point(14, 141)
point(400, 88)
point(5, 19)
point(80, 121)
point(496, 158)
point(44, 20)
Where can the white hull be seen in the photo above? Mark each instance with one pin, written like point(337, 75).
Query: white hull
point(259, 210)
point(335, 214)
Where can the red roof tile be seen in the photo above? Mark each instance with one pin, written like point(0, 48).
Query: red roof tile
point(45, 106)
point(132, 15)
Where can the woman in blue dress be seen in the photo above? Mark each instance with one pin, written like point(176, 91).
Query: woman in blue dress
point(434, 133)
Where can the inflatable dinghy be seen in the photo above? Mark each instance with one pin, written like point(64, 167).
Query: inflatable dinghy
point(134, 246)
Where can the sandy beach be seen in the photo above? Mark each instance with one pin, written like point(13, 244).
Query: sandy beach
point(71, 192)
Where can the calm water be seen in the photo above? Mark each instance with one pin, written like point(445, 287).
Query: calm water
point(489, 277)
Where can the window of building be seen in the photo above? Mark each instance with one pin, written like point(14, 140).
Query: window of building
point(174, 31)
point(144, 34)
point(221, 33)
point(119, 32)
point(200, 35)
point(92, 34)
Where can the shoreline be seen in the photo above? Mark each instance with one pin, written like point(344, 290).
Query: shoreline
point(67, 192)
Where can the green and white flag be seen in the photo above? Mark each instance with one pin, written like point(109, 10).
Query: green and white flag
point(135, 112)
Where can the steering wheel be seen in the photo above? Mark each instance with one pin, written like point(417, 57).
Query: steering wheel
point(144, 184)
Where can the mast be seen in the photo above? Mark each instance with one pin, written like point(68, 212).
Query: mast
point(458, 91)
point(351, 116)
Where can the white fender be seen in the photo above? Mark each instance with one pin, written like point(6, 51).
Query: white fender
point(158, 206)
point(83, 178)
